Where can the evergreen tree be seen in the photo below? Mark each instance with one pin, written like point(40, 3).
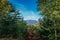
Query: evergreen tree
point(50, 24)
point(10, 20)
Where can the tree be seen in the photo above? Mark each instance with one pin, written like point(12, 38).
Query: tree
point(10, 20)
point(49, 9)
point(22, 30)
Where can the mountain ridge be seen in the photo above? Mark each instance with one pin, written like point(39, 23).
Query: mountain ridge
point(31, 21)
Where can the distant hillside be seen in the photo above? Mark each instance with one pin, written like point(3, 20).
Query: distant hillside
point(31, 21)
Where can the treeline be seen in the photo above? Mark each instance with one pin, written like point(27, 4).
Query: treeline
point(11, 23)
point(50, 21)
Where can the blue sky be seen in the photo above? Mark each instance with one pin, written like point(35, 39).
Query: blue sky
point(27, 8)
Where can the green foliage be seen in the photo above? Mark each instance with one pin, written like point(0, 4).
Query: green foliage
point(11, 23)
point(49, 23)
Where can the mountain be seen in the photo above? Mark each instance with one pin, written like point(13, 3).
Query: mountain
point(31, 21)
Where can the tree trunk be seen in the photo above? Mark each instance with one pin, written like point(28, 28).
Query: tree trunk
point(55, 34)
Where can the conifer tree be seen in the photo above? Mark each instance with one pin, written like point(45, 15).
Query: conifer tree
point(50, 24)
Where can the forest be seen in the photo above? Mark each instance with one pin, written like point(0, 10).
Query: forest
point(14, 27)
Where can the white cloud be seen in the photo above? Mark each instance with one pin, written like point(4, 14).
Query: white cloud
point(31, 18)
point(27, 14)
point(30, 15)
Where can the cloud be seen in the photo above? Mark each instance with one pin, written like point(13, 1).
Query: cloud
point(27, 14)
point(31, 18)
point(30, 15)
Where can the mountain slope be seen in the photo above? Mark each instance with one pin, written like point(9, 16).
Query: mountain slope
point(31, 21)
